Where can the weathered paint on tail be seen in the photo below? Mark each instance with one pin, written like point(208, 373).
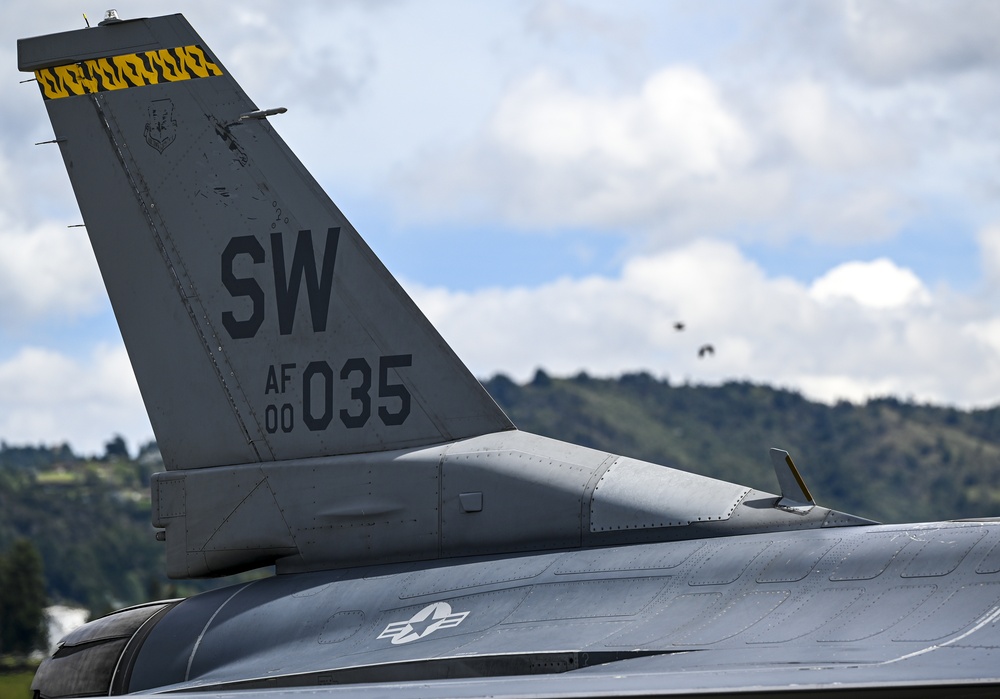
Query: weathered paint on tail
point(259, 324)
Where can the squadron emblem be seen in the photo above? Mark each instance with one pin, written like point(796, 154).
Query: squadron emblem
point(161, 127)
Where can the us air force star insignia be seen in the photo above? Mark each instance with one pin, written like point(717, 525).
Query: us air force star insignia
point(423, 623)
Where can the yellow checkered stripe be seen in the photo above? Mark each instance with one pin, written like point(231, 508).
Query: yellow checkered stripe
point(124, 71)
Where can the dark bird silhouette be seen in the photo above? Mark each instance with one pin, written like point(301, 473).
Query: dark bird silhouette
point(678, 326)
point(705, 351)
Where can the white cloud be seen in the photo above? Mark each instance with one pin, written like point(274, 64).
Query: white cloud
point(670, 154)
point(876, 284)
point(676, 127)
point(896, 39)
point(553, 19)
point(49, 270)
point(833, 388)
point(679, 155)
point(766, 329)
point(49, 397)
point(989, 247)
point(829, 134)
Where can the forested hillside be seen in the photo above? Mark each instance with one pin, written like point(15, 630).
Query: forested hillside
point(89, 520)
point(887, 460)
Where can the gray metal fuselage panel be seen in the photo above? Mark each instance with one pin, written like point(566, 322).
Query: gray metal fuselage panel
point(852, 602)
point(530, 493)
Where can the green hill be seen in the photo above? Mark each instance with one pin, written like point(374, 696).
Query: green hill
point(89, 518)
point(888, 460)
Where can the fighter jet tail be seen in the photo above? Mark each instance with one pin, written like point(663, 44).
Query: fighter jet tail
point(308, 414)
point(259, 324)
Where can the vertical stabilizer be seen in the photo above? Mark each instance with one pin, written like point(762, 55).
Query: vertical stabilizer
point(259, 324)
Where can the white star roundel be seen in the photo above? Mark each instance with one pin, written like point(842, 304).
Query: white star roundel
point(423, 623)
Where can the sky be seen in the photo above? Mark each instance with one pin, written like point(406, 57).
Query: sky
point(810, 187)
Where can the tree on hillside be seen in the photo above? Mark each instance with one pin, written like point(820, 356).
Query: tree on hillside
point(116, 449)
point(22, 600)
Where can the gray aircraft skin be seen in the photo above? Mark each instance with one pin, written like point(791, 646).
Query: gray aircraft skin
point(311, 418)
